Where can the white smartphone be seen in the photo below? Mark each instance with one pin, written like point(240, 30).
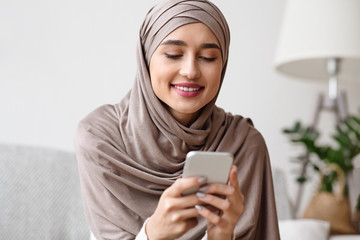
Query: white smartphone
point(215, 166)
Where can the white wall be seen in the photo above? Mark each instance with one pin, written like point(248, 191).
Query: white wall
point(61, 59)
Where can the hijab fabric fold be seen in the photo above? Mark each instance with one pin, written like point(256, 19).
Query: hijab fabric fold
point(129, 153)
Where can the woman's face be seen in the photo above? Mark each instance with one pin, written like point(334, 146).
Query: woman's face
point(185, 70)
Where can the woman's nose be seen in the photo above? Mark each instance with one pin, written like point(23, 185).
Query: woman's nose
point(190, 68)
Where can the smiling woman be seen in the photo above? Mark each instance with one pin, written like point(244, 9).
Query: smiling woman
point(185, 72)
point(131, 155)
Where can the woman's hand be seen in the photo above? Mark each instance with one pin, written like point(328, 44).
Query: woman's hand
point(175, 213)
point(221, 223)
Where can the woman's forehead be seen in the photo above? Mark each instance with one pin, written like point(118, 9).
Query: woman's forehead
point(170, 15)
point(193, 32)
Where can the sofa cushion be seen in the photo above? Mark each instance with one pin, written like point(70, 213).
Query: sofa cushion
point(40, 194)
point(301, 229)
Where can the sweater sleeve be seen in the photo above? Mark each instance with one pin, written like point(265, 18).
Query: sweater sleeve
point(142, 234)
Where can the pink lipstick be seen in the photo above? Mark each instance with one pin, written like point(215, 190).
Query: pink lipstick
point(187, 90)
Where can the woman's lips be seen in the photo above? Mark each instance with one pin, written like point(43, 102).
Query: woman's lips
point(187, 90)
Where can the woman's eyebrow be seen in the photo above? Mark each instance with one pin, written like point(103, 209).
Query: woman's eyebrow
point(174, 42)
point(182, 43)
point(210, 45)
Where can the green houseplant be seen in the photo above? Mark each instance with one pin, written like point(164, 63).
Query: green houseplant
point(347, 137)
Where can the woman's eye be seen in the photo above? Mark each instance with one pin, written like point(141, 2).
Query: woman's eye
point(173, 56)
point(208, 59)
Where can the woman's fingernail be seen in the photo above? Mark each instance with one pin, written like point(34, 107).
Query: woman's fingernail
point(202, 180)
point(200, 194)
point(199, 207)
point(204, 188)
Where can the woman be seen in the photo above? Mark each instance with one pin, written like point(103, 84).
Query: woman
point(131, 155)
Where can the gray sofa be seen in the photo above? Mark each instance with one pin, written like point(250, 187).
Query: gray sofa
point(40, 194)
point(40, 198)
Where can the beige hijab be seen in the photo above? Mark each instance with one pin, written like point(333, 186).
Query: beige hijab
point(129, 153)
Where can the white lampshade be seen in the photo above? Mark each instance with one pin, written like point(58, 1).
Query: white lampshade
point(316, 30)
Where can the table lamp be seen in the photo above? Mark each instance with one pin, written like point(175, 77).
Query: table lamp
point(320, 39)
